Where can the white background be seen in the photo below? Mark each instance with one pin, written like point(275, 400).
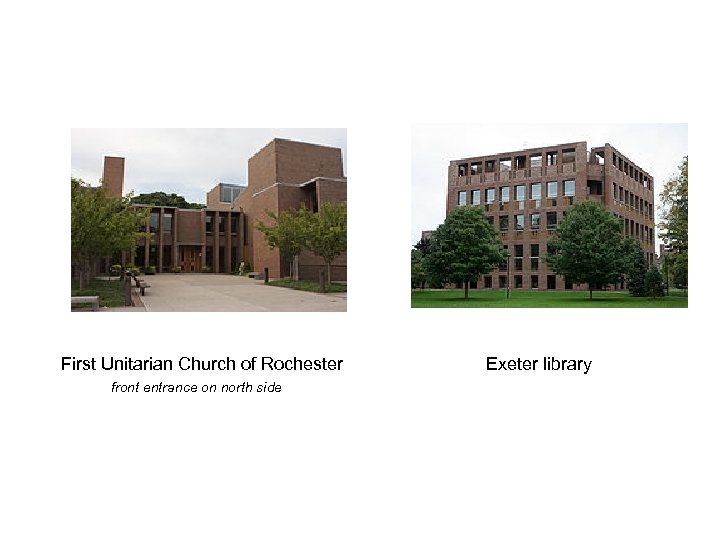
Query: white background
point(412, 439)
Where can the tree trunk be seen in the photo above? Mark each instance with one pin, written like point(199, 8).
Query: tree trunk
point(590, 291)
point(296, 267)
point(329, 277)
point(467, 286)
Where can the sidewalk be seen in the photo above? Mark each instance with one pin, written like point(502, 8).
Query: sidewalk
point(221, 292)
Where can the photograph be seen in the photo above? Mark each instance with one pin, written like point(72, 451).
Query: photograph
point(208, 220)
point(586, 223)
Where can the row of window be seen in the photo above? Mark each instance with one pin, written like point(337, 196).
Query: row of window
point(633, 172)
point(628, 198)
point(516, 162)
point(519, 193)
point(519, 222)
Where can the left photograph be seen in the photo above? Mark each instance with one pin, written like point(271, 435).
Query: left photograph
point(198, 220)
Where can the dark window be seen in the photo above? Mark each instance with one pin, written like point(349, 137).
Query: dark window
point(518, 282)
point(167, 222)
point(534, 282)
point(551, 218)
point(488, 282)
point(154, 221)
point(208, 224)
point(503, 223)
point(551, 282)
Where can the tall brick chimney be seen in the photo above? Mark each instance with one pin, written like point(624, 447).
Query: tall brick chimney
point(113, 175)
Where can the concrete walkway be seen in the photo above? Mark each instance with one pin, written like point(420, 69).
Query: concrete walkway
point(220, 292)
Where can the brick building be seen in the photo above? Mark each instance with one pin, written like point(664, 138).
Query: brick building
point(525, 194)
point(282, 176)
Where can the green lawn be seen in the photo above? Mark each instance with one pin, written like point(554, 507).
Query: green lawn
point(452, 298)
point(311, 286)
point(110, 292)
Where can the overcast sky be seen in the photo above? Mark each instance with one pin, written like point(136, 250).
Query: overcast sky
point(188, 162)
point(656, 148)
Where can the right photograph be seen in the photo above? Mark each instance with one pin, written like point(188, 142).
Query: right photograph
point(549, 215)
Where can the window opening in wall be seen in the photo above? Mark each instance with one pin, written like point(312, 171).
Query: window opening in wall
point(535, 193)
point(208, 224)
point(600, 157)
point(229, 192)
point(475, 167)
point(503, 265)
point(491, 220)
point(488, 282)
point(632, 172)
point(615, 191)
point(626, 167)
point(221, 224)
point(534, 282)
point(594, 187)
point(518, 257)
point(568, 155)
point(154, 221)
point(503, 282)
point(490, 166)
point(462, 170)
point(534, 256)
point(518, 282)
point(614, 159)
point(568, 284)
point(551, 190)
point(569, 188)
point(645, 181)
point(535, 160)
point(503, 223)
point(519, 222)
point(490, 195)
point(505, 164)
point(505, 194)
point(551, 158)
point(551, 282)
point(462, 198)
point(520, 162)
point(475, 197)
point(551, 218)
point(167, 222)
point(520, 192)
point(534, 221)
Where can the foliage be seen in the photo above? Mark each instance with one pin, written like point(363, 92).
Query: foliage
point(100, 226)
point(588, 247)
point(678, 269)
point(288, 233)
point(637, 273)
point(463, 248)
point(110, 294)
point(674, 216)
point(423, 246)
point(418, 273)
point(327, 232)
point(323, 232)
point(653, 282)
point(159, 198)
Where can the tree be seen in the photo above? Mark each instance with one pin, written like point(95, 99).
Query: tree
point(288, 234)
point(463, 248)
point(327, 232)
point(418, 274)
point(588, 247)
point(100, 226)
point(160, 198)
point(674, 216)
point(653, 282)
point(637, 273)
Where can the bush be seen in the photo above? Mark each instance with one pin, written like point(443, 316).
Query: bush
point(176, 269)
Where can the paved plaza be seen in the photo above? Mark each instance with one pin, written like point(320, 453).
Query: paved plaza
point(220, 292)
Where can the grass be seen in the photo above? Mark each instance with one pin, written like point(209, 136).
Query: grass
point(453, 298)
point(110, 292)
point(310, 286)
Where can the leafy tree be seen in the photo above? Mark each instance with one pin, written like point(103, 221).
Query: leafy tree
point(417, 269)
point(653, 282)
point(675, 268)
point(638, 272)
point(588, 247)
point(160, 198)
point(463, 248)
point(674, 217)
point(100, 226)
point(423, 246)
point(289, 234)
point(327, 232)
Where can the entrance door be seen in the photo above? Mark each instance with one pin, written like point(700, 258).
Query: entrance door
point(190, 258)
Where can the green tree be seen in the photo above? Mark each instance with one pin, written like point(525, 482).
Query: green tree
point(653, 282)
point(463, 248)
point(100, 226)
point(160, 198)
point(588, 247)
point(418, 274)
point(674, 216)
point(638, 272)
point(289, 234)
point(327, 232)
